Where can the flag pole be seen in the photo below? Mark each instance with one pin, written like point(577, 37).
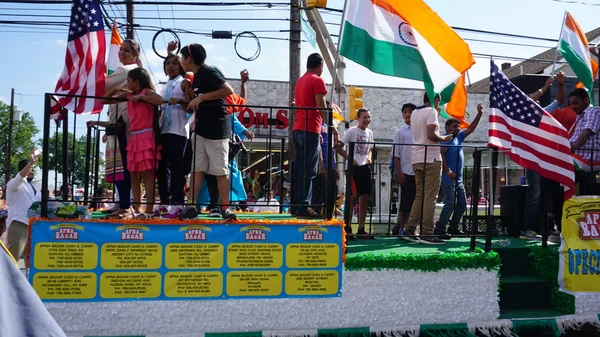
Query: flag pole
point(562, 27)
point(337, 59)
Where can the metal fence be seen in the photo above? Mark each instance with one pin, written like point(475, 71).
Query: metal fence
point(276, 156)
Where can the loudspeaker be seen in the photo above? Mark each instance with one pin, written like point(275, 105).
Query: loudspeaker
point(589, 189)
point(512, 208)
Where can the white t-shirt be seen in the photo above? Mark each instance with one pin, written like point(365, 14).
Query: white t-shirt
point(419, 120)
point(262, 205)
point(404, 152)
point(361, 151)
point(20, 195)
point(174, 119)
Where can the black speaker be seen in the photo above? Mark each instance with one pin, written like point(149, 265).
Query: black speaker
point(512, 208)
point(589, 189)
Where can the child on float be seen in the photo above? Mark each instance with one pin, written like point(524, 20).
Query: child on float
point(143, 153)
point(175, 130)
point(212, 129)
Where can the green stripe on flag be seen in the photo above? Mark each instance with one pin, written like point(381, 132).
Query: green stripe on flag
point(443, 330)
point(344, 332)
point(579, 66)
point(234, 334)
point(383, 57)
point(536, 327)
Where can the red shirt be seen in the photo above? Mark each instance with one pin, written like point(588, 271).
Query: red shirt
point(308, 86)
point(565, 116)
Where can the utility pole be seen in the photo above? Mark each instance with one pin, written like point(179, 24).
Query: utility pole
point(295, 48)
point(130, 32)
point(10, 133)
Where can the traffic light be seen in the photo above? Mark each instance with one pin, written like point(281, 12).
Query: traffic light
point(310, 4)
point(355, 102)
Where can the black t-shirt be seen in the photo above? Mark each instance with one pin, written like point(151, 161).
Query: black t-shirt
point(212, 120)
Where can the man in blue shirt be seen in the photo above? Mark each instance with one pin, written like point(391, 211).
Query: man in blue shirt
point(455, 200)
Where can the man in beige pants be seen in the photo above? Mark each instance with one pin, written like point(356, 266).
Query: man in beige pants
point(427, 165)
point(20, 195)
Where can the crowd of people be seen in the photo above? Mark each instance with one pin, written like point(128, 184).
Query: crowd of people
point(181, 145)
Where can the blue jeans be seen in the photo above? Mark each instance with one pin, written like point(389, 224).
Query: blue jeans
point(453, 191)
point(533, 201)
point(306, 166)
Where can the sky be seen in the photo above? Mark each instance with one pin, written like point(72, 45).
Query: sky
point(33, 57)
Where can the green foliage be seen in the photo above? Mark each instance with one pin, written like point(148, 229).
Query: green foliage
point(22, 139)
point(424, 262)
point(544, 264)
point(76, 167)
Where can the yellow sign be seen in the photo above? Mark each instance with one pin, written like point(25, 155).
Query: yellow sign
point(131, 256)
point(252, 283)
point(68, 285)
point(579, 253)
point(130, 285)
point(312, 255)
point(55, 255)
point(254, 255)
point(194, 255)
point(194, 284)
point(314, 282)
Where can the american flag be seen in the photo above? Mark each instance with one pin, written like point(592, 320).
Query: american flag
point(85, 68)
point(530, 136)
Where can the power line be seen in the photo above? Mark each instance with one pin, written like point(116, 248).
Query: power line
point(183, 3)
point(149, 18)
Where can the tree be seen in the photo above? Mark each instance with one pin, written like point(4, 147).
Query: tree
point(77, 172)
point(22, 140)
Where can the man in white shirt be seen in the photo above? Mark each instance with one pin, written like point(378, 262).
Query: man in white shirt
point(20, 195)
point(361, 174)
point(427, 164)
point(403, 171)
point(267, 204)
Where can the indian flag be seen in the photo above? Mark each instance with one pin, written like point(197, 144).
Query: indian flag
point(337, 115)
point(573, 47)
point(404, 38)
point(113, 52)
point(585, 165)
point(455, 99)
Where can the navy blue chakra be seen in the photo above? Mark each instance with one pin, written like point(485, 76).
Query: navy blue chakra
point(406, 34)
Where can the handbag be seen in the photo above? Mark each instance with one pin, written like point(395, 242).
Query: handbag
point(235, 146)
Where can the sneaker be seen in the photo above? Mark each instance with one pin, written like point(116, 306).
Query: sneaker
point(228, 215)
point(361, 232)
point(530, 235)
point(160, 211)
point(554, 238)
point(431, 240)
point(349, 235)
point(396, 230)
point(214, 213)
point(455, 232)
point(190, 212)
point(174, 213)
point(442, 235)
point(405, 235)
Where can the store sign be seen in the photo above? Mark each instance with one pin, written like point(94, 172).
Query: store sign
point(261, 120)
point(579, 253)
point(104, 261)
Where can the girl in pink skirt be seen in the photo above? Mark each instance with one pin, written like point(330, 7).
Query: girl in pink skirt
point(143, 152)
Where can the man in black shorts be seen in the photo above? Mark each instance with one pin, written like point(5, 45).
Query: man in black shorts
point(361, 174)
point(402, 168)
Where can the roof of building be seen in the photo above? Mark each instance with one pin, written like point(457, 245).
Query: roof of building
point(534, 65)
